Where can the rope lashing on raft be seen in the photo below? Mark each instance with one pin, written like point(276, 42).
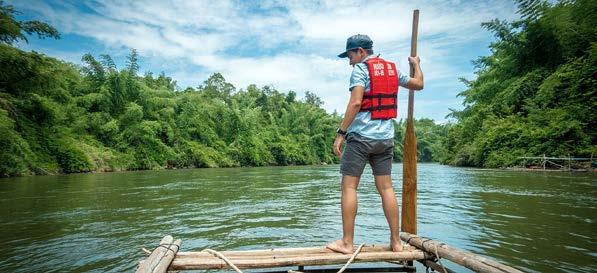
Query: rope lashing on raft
point(168, 247)
point(437, 257)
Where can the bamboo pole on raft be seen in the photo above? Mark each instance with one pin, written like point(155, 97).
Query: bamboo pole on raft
point(462, 257)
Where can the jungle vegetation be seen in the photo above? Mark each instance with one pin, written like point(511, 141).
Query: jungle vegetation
point(535, 93)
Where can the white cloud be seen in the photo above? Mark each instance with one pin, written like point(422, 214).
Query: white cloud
point(288, 44)
point(327, 77)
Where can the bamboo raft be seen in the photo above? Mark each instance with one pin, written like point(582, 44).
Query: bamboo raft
point(166, 257)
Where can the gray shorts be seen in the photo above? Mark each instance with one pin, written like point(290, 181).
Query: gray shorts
point(359, 150)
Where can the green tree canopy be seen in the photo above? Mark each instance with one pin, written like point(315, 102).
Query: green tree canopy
point(12, 30)
point(535, 94)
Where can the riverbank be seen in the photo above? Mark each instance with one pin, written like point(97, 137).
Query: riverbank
point(549, 170)
point(519, 169)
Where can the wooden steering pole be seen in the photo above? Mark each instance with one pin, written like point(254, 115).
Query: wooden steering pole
point(409, 162)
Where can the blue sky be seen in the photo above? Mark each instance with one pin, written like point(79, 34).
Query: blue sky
point(290, 45)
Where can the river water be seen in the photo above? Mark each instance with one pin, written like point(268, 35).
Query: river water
point(537, 222)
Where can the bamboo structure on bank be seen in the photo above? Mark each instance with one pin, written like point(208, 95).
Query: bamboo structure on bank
point(551, 160)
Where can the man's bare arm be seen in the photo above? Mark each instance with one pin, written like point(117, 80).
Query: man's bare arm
point(416, 82)
point(353, 107)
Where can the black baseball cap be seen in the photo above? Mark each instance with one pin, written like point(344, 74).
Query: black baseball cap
point(356, 41)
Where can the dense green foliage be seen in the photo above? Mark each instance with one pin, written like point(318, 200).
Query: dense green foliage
point(12, 30)
point(535, 94)
point(56, 117)
point(430, 137)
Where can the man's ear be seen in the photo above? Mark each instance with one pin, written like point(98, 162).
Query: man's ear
point(362, 51)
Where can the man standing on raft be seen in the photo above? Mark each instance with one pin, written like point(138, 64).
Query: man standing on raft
point(368, 128)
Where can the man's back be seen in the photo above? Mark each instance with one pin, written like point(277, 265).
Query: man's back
point(363, 124)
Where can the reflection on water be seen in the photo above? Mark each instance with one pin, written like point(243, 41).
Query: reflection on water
point(541, 222)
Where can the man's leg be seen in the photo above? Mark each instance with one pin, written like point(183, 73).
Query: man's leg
point(349, 212)
point(390, 208)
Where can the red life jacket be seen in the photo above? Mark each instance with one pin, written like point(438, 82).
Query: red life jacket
point(381, 100)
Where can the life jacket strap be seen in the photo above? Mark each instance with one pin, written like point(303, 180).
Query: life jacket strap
point(379, 107)
point(382, 95)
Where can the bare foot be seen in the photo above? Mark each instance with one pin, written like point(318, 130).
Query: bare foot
point(340, 246)
point(396, 245)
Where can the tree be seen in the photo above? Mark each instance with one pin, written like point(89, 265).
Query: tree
point(132, 64)
point(313, 99)
point(108, 62)
point(95, 70)
point(217, 87)
point(12, 30)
